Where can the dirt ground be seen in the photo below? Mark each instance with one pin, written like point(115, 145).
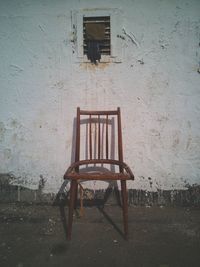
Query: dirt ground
point(35, 235)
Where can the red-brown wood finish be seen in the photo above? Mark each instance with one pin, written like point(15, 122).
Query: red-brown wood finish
point(102, 120)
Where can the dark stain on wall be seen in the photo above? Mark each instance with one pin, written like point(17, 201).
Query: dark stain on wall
point(17, 193)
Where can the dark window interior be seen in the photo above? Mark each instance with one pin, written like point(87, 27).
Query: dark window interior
point(97, 29)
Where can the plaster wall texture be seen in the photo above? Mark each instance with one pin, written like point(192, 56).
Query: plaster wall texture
point(157, 86)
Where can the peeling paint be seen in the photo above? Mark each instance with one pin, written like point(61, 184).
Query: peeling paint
point(2, 131)
point(94, 67)
point(7, 153)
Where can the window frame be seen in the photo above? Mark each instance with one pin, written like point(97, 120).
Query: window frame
point(105, 44)
point(115, 30)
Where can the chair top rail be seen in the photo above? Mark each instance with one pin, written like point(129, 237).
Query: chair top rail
point(91, 112)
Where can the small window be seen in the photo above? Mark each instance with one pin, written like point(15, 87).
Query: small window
point(108, 23)
point(96, 37)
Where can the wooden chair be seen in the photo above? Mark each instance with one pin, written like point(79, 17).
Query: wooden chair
point(96, 161)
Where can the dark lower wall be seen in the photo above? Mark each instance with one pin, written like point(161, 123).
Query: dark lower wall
point(13, 193)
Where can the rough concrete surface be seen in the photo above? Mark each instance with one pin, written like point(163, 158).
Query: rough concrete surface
point(35, 235)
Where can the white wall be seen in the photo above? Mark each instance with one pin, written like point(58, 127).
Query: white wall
point(41, 86)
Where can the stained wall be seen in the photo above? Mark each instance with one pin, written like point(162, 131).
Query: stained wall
point(157, 86)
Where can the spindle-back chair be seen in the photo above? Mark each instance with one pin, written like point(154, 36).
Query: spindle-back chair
point(96, 161)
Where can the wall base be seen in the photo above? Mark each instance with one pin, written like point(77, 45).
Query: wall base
point(18, 193)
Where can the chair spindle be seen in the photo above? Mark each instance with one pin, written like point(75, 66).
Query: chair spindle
point(107, 137)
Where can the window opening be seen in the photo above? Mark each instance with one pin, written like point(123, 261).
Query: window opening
point(96, 37)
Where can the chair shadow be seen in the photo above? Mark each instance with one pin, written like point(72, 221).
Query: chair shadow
point(112, 187)
point(61, 201)
point(108, 218)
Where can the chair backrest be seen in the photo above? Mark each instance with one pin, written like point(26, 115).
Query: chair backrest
point(102, 135)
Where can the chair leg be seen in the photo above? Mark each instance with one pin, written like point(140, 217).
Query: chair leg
point(125, 207)
point(71, 207)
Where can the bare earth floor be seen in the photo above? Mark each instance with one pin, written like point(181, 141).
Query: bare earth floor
point(34, 235)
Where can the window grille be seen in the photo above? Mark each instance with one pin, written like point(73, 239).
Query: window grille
point(104, 42)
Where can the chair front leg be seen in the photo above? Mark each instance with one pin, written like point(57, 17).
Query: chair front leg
point(125, 207)
point(72, 199)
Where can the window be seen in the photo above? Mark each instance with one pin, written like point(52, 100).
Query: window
point(107, 23)
point(97, 28)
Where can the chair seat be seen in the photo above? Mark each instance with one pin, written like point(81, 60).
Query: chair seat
point(125, 174)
